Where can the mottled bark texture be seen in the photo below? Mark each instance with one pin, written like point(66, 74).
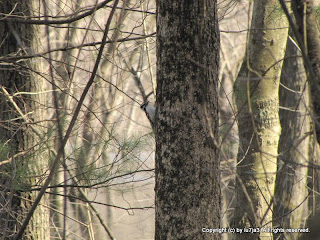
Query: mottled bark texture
point(18, 142)
point(290, 200)
point(187, 167)
point(310, 35)
point(257, 99)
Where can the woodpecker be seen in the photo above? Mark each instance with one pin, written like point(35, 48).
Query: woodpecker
point(150, 112)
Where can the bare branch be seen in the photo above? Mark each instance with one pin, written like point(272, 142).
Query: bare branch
point(72, 123)
point(72, 18)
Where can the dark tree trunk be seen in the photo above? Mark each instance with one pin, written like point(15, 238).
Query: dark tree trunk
point(187, 166)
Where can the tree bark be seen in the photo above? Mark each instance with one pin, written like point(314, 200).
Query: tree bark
point(187, 166)
point(257, 99)
point(21, 140)
point(310, 35)
point(291, 203)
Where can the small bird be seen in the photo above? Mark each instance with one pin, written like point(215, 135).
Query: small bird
point(150, 112)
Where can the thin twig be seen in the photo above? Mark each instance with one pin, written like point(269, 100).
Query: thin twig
point(106, 228)
point(76, 17)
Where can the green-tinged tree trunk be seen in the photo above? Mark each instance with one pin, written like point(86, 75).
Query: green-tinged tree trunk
point(187, 175)
point(257, 99)
point(23, 157)
point(291, 204)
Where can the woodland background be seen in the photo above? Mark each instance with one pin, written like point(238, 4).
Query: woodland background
point(73, 76)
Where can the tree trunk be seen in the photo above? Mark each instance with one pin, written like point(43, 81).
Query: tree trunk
point(310, 35)
point(257, 99)
point(187, 166)
point(21, 140)
point(291, 204)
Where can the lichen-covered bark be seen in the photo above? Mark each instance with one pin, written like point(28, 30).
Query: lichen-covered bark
point(17, 135)
point(257, 100)
point(187, 176)
point(291, 204)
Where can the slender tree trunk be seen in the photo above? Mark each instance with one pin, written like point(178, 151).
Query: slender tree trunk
point(257, 98)
point(229, 144)
point(21, 140)
point(291, 203)
point(310, 35)
point(187, 166)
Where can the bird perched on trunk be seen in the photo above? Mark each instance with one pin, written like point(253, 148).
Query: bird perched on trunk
point(150, 112)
